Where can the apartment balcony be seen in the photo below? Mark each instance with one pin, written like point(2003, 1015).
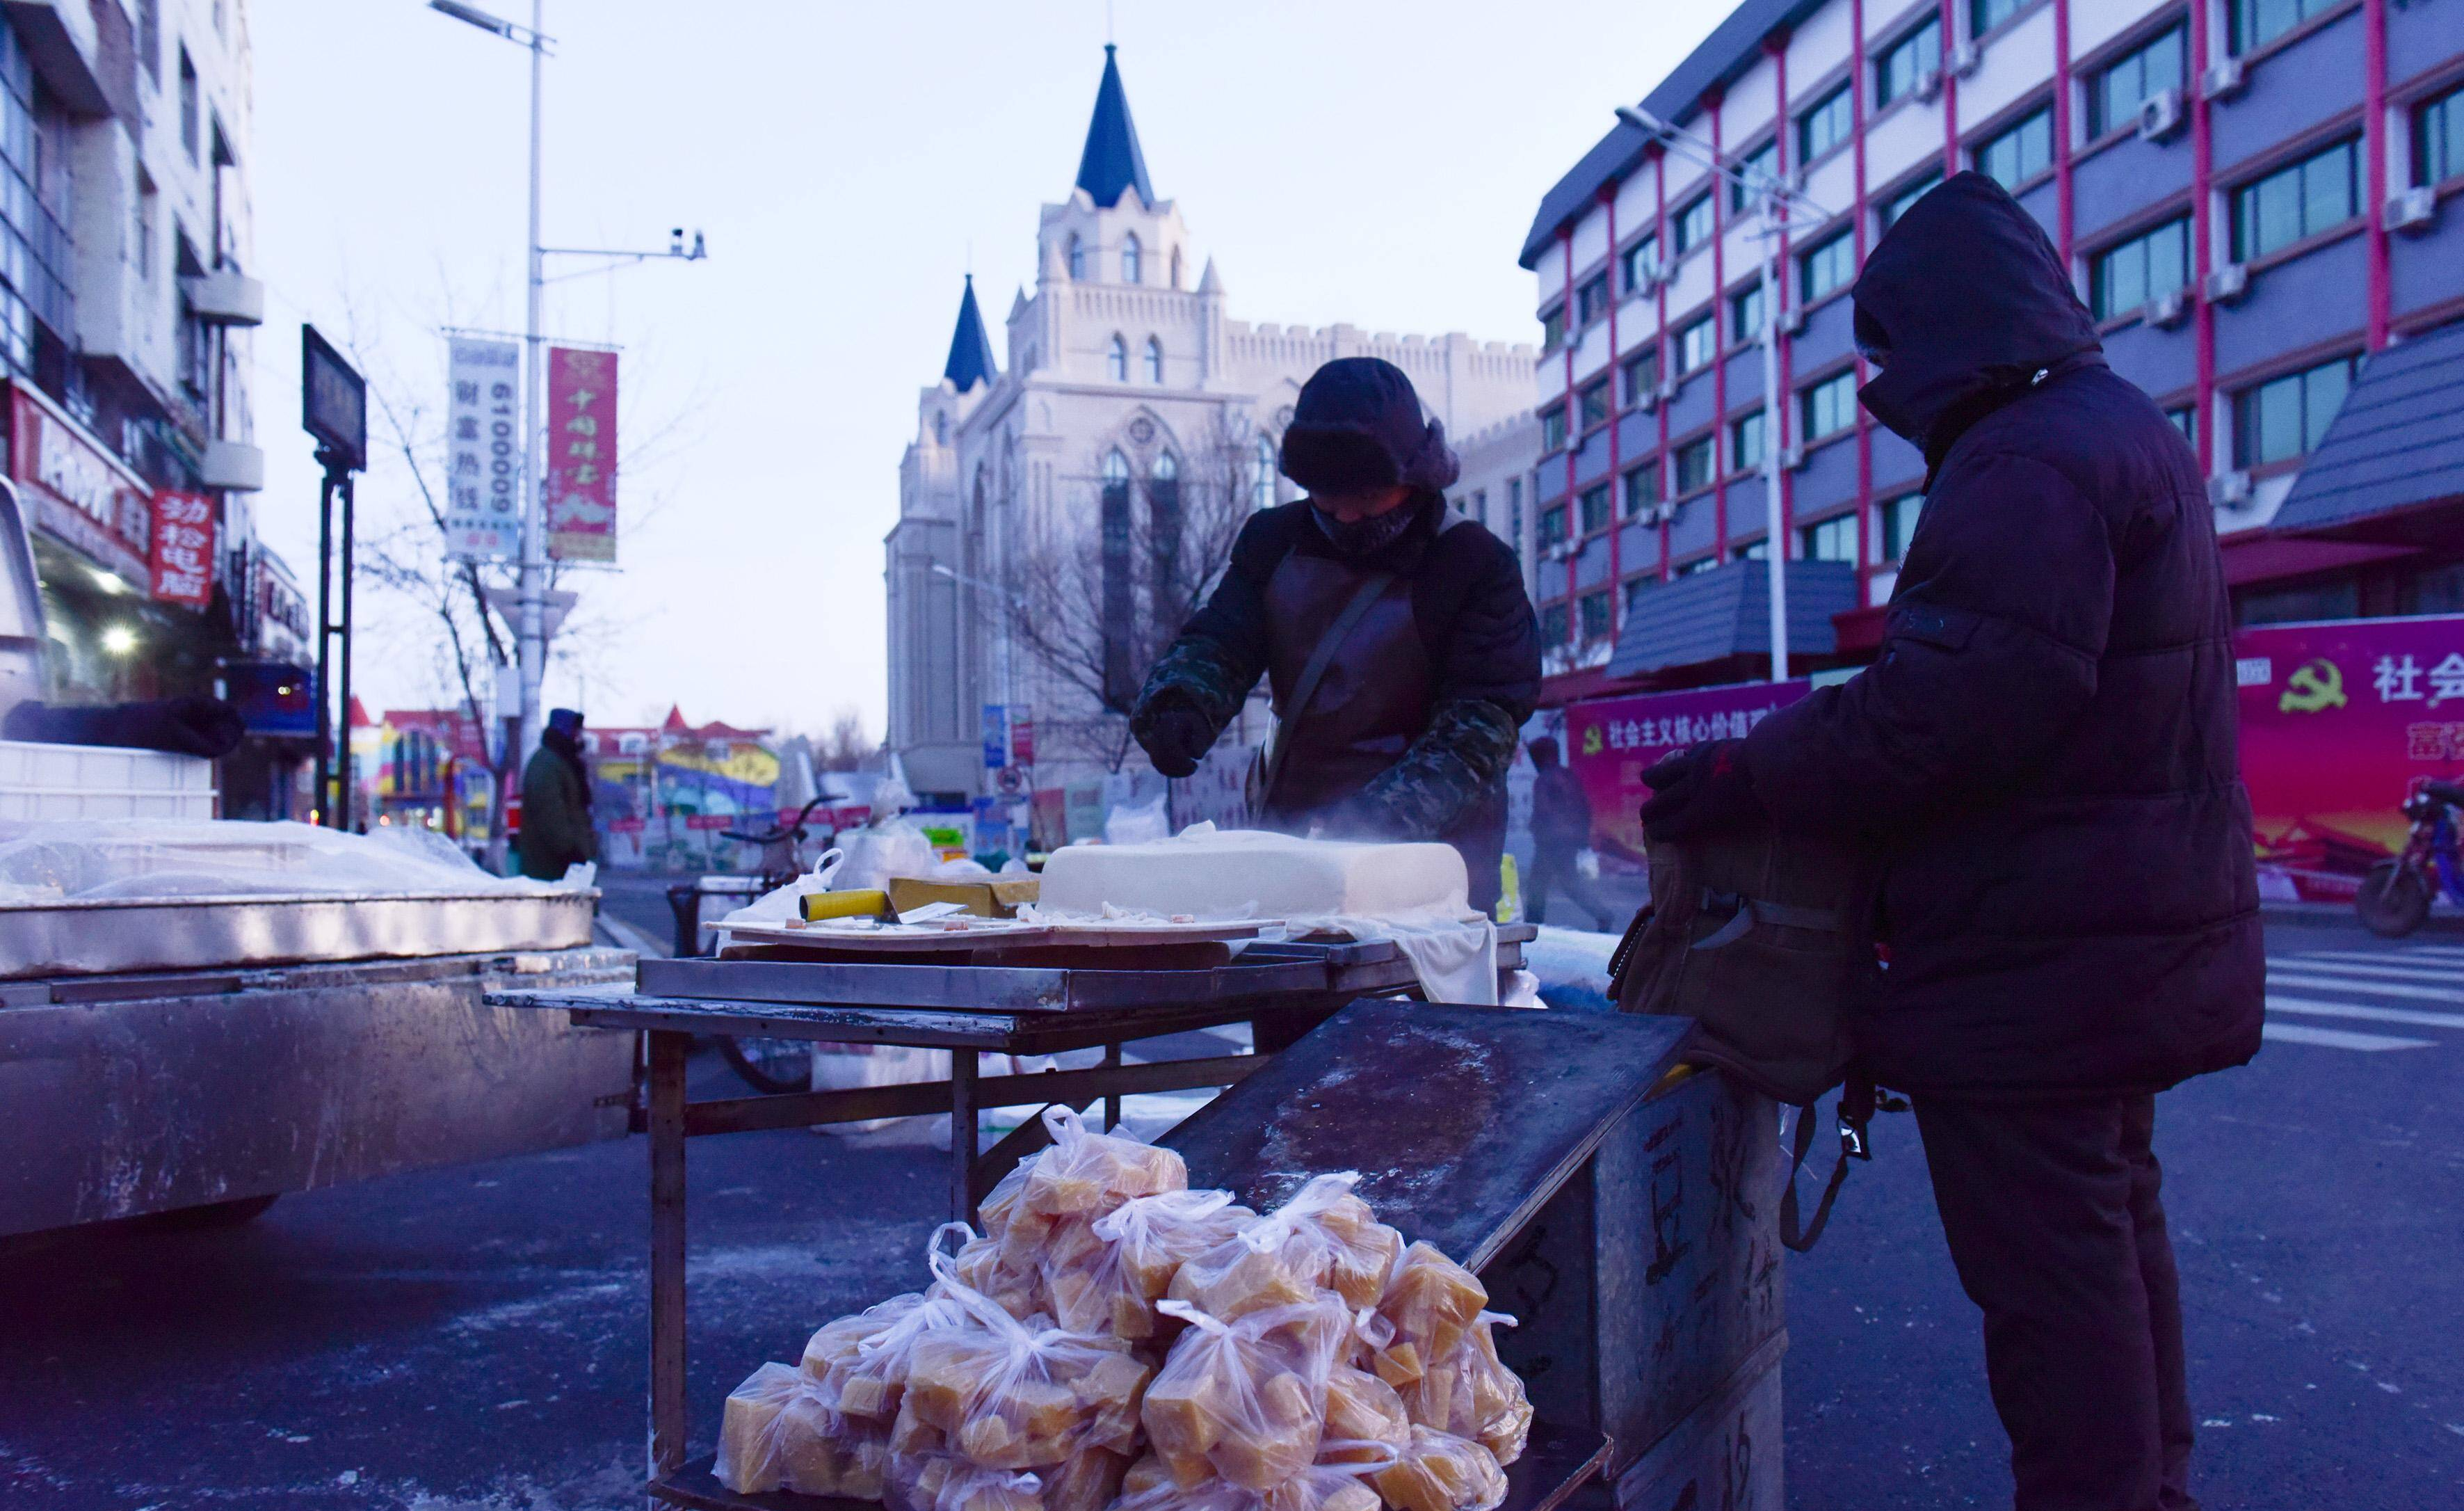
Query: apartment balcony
point(225, 297)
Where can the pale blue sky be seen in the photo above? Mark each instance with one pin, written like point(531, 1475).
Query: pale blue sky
point(1377, 164)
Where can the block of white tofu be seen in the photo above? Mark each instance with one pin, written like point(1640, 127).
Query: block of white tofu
point(1237, 873)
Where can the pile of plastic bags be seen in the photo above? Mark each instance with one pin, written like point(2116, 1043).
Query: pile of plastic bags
point(1113, 1339)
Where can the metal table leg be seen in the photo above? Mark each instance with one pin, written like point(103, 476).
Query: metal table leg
point(667, 1053)
point(962, 1136)
point(1111, 1098)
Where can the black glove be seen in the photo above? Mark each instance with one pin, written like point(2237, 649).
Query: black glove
point(1700, 789)
point(1177, 736)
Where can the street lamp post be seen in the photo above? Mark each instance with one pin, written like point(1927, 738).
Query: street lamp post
point(1775, 201)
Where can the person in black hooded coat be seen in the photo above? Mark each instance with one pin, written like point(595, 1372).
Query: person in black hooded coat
point(1409, 729)
point(2043, 761)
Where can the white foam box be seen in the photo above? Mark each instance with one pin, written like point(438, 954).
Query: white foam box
point(1235, 874)
point(60, 781)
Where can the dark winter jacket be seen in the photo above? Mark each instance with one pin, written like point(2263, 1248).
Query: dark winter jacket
point(556, 808)
point(2043, 751)
point(1474, 622)
point(1561, 810)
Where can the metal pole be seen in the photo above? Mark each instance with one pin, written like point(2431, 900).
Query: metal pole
point(530, 638)
point(322, 794)
point(1775, 533)
point(342, 798)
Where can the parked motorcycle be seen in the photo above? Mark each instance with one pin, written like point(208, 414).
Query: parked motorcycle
point(2396, 894)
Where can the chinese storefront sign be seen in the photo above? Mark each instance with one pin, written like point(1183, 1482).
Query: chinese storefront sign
point(483, 453)
point(183, 565)
point(2338, 721)
point(581, 454)
point(78, 491)
point(1611, 742)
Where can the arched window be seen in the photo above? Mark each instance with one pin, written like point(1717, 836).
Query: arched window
point(1130, 268)
point(1175, 267)
point(1154, 359)
point(1262, 488)
point(942, 428)
point(1077, 259)
point(1166, 572)
point(1118, 363)
point(1120, 597)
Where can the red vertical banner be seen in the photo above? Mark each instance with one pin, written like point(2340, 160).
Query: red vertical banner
point(581, 454)
point(183, 553)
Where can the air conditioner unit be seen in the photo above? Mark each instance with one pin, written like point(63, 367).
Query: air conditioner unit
point(1667, 387)
point(2168, 309)
point(1929, 85)
point(1791, 457)
point(1657, 513)
point(2414, 212)
point(2160, 116)
point(2223, 80)
point(1792, 320)
point(2229, 491)
point(1965, 59)
point(1646, 401)
point(2227, 284)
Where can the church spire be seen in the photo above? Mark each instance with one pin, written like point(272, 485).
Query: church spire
point(971, 350)
point(1111, 162)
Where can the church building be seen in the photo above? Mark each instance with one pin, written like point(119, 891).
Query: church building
point(1059, 513)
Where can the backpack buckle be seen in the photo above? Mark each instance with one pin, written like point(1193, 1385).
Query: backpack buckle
point(1853, 1144)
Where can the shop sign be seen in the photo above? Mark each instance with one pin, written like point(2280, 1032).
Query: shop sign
point(182, 560)
point(483, 449)
point(83, 494)
point(1611, 742)
point(996, 737)
point(581, 454)
point(1022, 734)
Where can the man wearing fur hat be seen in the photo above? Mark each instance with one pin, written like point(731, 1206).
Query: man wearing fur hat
point(1394, 634)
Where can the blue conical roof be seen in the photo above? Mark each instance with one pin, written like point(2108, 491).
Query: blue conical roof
point(971, 350)
point(1111, 162)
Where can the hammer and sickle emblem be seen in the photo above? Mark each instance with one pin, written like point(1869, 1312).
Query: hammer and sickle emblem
point(2311, 687)
point(1592, 741)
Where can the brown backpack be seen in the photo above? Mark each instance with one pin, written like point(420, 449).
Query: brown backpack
point(1761, 940)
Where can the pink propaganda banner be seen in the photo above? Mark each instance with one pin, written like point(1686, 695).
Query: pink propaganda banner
point(2339, 720)
point(1611, 741)
point(581, 454)
point(181, 568)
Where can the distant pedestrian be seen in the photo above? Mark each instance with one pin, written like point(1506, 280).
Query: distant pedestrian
point(1561, 829)
point(2043, 761)
point(557, 832)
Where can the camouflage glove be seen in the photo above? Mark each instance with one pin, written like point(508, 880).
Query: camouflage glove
point(1173, 734)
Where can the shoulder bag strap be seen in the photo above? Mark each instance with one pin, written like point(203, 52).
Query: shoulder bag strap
point(1857, 1101)
point(1371, 588)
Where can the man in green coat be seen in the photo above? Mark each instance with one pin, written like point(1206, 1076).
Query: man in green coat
point(555, 801)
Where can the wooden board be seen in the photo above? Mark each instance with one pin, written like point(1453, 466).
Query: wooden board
point(1463, 1122)
point(986, 933)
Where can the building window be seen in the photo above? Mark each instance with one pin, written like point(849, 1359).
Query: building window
point(1476, 506)
point(1552, 525)
point(2286, 417)
point(2255, 23)
point(1596, 509)
point(2186, 419)
point(149, 39)
point(1641, 487)
point(141, 245)
point(1984, 15)
point(1594, 402)
point(1592, 300)
point(1750, 551)
point(1552, 328)
point(1695, 344)
point(1640, 264)
point(1914, 57)
point(1514, 512)
point(1262, 488)
point(1556, 626)
point(2131, 80)
point(1117, 360)
point(1897, 203)
point(1827, 125)
point(1700, 564)
point(1175, 267)
point(1693, 226)
point(2302, 199)
point(1827, 268)
point(2021, 153)
point(1164, 522)
point(1757, 172)
point(2154, 262)
point(1829, 407)
point(2438, 139)
point(1155, 361)
point(1898, 521)
point(1120, 589)
point(1131, 261)
point(1641, 374)
point(1634, 589)
point(1832, 540)
point(1694, 465)
point(1077, 259)
point(1745, 443)
point(190, 135)
point(1553, 428)
point(1746, 314)
point(1595, 615)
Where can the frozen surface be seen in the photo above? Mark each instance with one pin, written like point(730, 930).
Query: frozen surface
point(1233, 874)
point(118, 860)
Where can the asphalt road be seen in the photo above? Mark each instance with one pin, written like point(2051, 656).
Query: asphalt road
point(472, 1336)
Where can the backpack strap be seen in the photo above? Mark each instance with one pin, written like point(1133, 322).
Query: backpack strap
point(1859, 1101)
point(1305, 688)
point(1746, 912)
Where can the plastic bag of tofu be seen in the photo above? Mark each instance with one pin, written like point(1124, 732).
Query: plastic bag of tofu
point(1106, 1276)
point(1430, 1306)
point(1323, 1486)
point(1245, 1401)
point(1325, 1237)
point(1441, 1472)
point(1471, 1393)
point(1087, 1173)
point(942, 1483)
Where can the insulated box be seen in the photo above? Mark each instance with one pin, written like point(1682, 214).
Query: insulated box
point(55, 781)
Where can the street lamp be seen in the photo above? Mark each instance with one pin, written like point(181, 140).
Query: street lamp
point(1774, 201)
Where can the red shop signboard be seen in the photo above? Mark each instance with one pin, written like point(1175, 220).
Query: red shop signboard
point(78, 491)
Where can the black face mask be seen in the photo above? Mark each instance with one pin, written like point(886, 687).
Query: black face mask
point(1366, 537)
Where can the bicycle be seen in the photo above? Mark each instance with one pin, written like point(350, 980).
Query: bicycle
point(770, 1066)
point(2396, 894)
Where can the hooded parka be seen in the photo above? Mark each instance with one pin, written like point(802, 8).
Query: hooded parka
point(2043, 752)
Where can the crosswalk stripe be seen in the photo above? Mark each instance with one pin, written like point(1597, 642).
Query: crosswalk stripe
point(2340, 967)
point(2369, 989)
point(2337, 1038)
point(2354, 1009)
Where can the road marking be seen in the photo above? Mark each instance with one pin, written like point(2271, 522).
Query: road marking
point(2352, 1010)
point(2346, 965)
point(2371, 989)
point(2337, 1038)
